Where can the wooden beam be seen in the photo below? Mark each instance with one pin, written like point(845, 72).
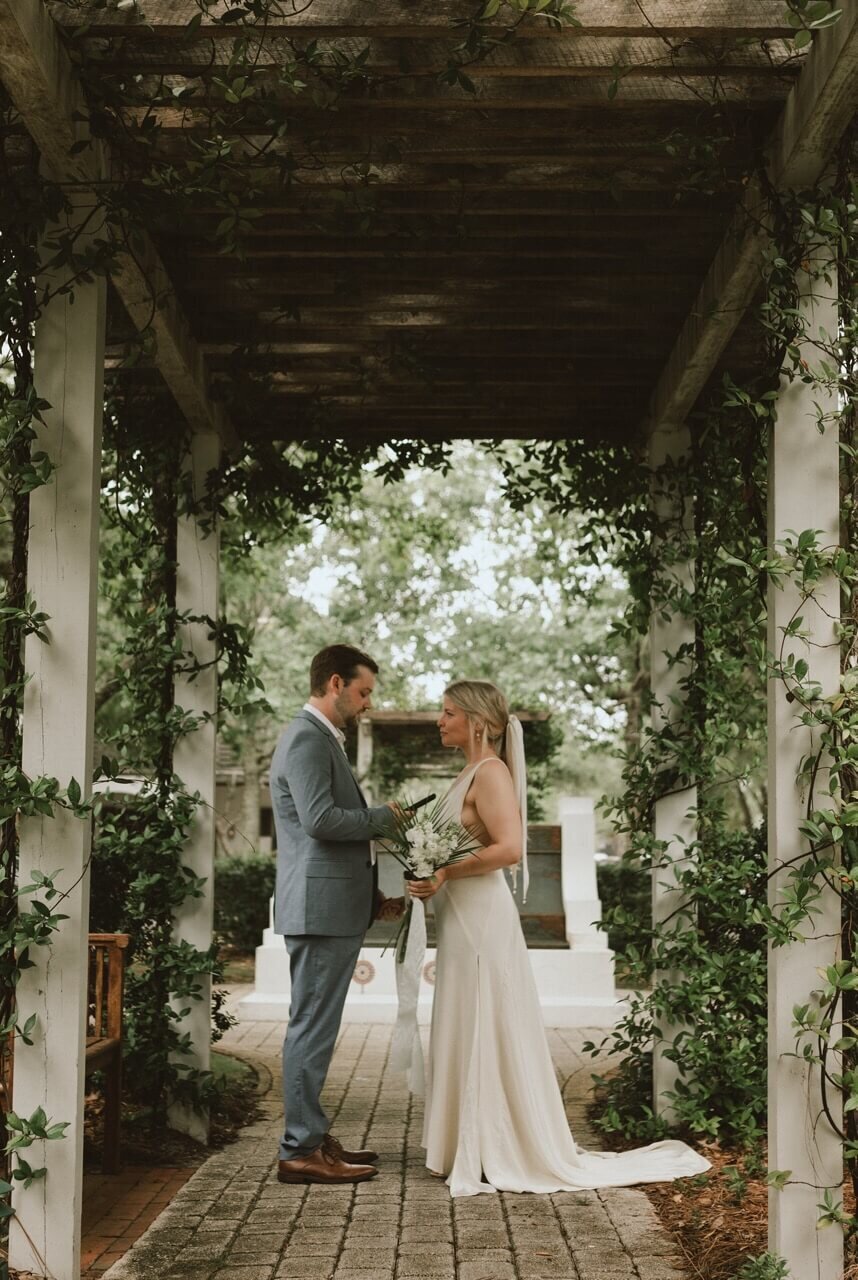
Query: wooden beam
point(266, 332)
point(429, 19)
point(585, 57)
point(592, 128)
point(149, 298)
point(816, 115)
point(506, 95)
point(325, 344)
point(40, 81)
point(604, 317)
point(648, 210)
point(382, 428)
point(469, 241)
point(399, 254)
point(39, 78)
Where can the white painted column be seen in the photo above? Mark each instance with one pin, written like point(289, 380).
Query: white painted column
point(364, 756)
point(674, 819)
point(803, 494)
point(57, 741)
point(581, 904)
point(194, 759)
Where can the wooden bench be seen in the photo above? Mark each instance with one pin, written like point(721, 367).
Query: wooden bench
point(104, 1031)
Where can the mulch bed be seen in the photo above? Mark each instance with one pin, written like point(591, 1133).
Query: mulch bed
point(236, 1106)
point(718, 1219)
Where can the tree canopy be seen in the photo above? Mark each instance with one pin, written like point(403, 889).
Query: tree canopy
point(439, 578)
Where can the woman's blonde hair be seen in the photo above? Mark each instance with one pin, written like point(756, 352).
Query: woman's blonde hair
point(485, 706)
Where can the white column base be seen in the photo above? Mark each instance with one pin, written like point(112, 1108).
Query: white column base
point(576, 986)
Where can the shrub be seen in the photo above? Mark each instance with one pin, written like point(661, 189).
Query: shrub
point(139, 884)
point(243, 886)
point(766, 1267)
point(625, 891)
point(713, 987)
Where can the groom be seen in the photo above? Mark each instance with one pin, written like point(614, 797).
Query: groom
point(326, 897)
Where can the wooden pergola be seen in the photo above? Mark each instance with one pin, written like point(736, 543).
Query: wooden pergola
point(555, 287)
point(528, 266)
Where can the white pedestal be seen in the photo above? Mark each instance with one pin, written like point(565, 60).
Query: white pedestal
point(581, 903)
point(576, 986)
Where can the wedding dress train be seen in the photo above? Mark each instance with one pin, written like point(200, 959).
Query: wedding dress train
point(495, 1119)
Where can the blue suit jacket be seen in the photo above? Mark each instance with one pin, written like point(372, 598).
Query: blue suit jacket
point(326, 883)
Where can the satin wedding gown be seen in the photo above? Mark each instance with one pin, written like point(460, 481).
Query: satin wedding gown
point(493, 1104)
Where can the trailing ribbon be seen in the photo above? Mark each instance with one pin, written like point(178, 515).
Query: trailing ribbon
point(406, 1050)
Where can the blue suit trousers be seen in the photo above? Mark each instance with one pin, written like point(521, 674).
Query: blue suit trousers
point(321, 969)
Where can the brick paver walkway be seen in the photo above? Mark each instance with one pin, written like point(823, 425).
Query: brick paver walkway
point(118, 1208)
point(233, 1221)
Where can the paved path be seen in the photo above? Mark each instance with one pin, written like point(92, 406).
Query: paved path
point(118, 1208)
point(233, 1221)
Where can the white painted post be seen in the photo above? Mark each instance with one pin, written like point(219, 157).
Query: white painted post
point(57, 741)
point(803, 494)
point(194, 759)
point(674, 821)
point(364, 756)
point(581, 903)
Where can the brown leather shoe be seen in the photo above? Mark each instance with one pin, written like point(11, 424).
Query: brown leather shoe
point(333, 1145)
point(323, 1166)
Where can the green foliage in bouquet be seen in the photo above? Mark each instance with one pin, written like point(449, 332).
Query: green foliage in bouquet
point(422, 842)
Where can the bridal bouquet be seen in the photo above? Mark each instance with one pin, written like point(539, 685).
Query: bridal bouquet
point(422, 843)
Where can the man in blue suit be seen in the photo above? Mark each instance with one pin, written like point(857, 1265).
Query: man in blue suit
point(326, 897)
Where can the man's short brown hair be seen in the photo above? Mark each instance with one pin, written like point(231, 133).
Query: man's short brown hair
point(337, 660)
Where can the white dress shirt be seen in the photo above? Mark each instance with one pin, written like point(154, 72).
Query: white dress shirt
point(320, 715)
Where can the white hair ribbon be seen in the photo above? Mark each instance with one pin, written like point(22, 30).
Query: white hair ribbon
point(516, 764)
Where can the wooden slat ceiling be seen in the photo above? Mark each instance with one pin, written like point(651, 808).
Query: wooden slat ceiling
point(523, 257)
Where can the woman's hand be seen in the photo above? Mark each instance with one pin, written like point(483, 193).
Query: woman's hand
point(426, 888)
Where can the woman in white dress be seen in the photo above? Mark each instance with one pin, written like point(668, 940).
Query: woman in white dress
point(495, 1119)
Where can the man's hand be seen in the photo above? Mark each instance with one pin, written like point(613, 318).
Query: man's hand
point(389, 908)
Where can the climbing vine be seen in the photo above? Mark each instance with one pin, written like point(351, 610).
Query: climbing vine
point(711, 956)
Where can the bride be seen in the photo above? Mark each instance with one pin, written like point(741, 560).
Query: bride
point(495, 1119)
